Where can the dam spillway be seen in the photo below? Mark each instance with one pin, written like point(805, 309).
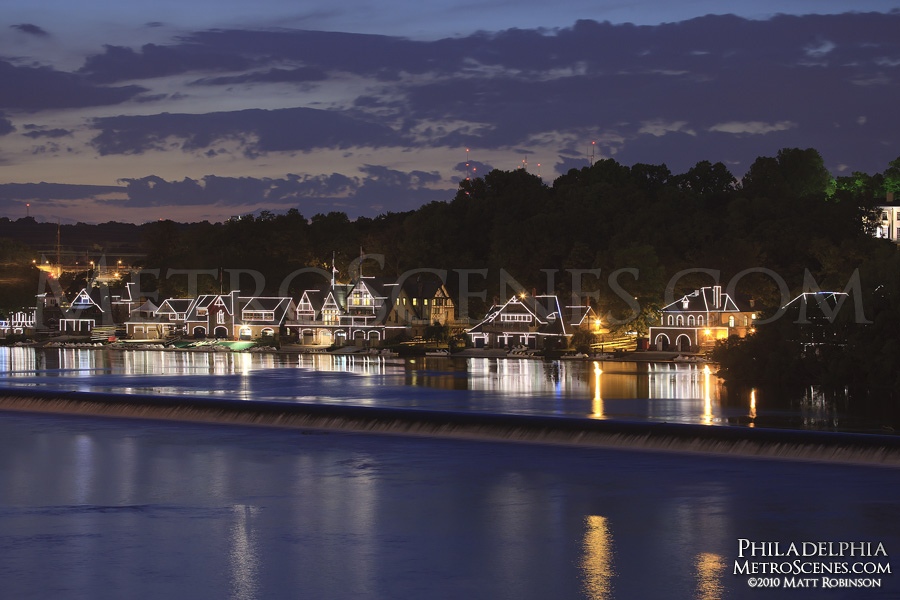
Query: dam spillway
point(670, 437)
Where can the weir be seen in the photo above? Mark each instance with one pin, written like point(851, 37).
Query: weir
point(756, 442)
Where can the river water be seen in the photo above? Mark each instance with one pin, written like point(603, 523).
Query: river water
point(630, 391)
point(122, 508)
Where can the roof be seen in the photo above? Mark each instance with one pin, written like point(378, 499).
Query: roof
point(703, 300)
point(815, 306)
point(548, 317)
point(375, 285)
point(175, 306)
point(279, 306)
point(147, 307)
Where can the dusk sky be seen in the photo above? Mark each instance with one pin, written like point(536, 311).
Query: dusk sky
point(202, 110)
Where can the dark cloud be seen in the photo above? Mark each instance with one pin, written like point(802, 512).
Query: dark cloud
point(37, 88)
point(257, 131)
point(376, 191)
point(298, 75)
point(52, 192)
point(235, 50)
point(6, 125)
point(118, 63)
point(472, 168)
point(47, 133)
point(30, 29)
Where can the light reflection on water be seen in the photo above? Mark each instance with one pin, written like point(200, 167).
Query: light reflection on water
point(710, 569)
point(597, 563)
point(636, 391)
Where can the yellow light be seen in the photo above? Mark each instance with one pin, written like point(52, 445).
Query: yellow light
point(597, 323)
point(522, 295)
point(706, 332)
point(597, 406)
point(707, 402)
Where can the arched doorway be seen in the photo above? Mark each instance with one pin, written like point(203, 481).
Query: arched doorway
point(199, 332)
point(661, 342)
point(683, 343)
point(220, 332)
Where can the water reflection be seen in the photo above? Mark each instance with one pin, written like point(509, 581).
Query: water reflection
point(597, 562)
point(15, 359)
point(707, 403)
point(597, 411)
point(752, 408)
point(243, 557)
point(637, 391)
point(710, 569)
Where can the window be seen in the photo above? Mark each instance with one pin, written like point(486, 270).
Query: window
point(331, 316)
point(516, 318)
point(259, 315)
point(220, 317)
point(690, 320)
point(679, 320)
point(700, 321)
point(731, 321)
point(671, 320)
point(201, 312)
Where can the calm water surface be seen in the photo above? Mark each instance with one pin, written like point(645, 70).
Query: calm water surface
point(96, 508)
point(663, 392)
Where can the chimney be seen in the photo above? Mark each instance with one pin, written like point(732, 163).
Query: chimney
point(717, 296)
